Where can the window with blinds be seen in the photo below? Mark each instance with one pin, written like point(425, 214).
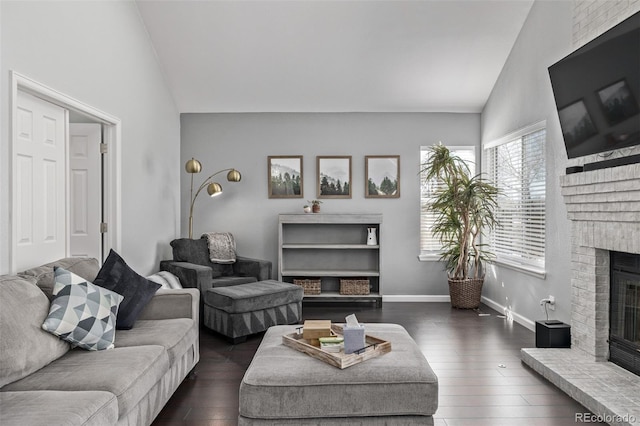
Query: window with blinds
point(430, 247)
point(516, 165)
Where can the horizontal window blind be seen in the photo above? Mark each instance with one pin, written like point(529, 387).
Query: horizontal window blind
point(517, 168)
point(429, 244)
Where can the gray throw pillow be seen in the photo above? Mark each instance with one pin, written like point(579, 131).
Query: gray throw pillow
point(137, 291)
point(82, 313)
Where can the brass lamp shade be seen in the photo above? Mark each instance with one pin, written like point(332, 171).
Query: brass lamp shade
point(234, 176)
point(193, 166)
point(214, 189)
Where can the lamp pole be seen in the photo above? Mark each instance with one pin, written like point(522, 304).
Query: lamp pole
point(213, 188)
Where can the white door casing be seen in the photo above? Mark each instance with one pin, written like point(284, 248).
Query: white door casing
point(111, 164)
point(39, 176)
point(85, 194)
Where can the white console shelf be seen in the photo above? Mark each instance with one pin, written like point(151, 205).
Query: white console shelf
point(329, 247)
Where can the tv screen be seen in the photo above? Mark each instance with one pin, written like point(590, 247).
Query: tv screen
point(597, 88)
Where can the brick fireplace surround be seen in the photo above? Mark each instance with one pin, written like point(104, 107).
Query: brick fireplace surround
point(604, 209)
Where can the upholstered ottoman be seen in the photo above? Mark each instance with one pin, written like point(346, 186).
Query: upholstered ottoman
point(285, 387)
point(240, 310)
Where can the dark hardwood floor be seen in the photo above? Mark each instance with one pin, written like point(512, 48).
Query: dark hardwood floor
point(476, 358)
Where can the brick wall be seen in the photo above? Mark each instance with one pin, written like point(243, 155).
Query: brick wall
point(590, 19)
point(593, 17)
point(604, 207)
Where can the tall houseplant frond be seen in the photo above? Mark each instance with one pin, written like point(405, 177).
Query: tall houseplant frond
point(442, 164)
point(464, 208)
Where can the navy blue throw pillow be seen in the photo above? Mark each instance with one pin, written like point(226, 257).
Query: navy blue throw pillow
point(117, 276)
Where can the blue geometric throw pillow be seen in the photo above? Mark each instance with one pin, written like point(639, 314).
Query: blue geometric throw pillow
point(82, 313)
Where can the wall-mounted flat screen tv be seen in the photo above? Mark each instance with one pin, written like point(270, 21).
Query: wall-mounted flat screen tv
point(597, 89)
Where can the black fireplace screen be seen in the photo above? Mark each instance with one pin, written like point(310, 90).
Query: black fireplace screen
point(624, 314)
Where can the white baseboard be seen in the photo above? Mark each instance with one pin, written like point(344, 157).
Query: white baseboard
point(415, 298)
point(445, 298)
point(523, 321)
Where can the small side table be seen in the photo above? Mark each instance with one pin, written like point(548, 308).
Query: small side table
point(553, 334)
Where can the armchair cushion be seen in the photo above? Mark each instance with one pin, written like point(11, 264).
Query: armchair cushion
point(197, 251)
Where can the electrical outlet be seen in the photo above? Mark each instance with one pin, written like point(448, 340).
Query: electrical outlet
point(552, 303)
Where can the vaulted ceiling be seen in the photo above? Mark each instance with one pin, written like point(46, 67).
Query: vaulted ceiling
point(332, 56)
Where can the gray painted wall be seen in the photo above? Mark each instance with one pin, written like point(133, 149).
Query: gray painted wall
point(244, 141)
point(77, 49)
point(522, 96)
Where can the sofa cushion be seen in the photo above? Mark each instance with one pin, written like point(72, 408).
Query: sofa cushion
point(24, 347)
point(197, 251)
point(117, 276)
point(82, 313)
point(45, 408)
point(175, 335)
point(254, 296)
point(84, 267)
point(128, 373)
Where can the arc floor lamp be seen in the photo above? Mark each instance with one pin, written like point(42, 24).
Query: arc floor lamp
point(214, 189)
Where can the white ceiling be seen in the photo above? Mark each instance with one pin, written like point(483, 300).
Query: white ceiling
point(332, 56)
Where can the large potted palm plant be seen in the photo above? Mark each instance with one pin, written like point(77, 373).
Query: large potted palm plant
point(464, 208)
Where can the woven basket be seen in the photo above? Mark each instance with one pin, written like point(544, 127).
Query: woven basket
point(309, 286)
point(465, 294)
point(354, 287)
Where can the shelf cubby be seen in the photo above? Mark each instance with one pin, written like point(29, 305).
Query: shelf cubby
point(329, 247)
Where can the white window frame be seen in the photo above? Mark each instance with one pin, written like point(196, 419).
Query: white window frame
point(535, 267)
point(430, 255)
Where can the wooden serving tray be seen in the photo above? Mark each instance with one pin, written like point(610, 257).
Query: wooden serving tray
point(373, 347)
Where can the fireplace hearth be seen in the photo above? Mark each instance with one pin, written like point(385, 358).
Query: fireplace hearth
point(624, 312)
point(604, 209)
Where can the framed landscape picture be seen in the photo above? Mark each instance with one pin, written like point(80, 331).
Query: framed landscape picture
point(285, 176)
point(382, 176)
point(334, 176)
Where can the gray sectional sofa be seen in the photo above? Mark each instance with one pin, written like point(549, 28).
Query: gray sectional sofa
point(43, 381)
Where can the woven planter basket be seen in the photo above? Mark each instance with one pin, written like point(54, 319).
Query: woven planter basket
point(354, 287)
point(465, 294)
point(310, 287)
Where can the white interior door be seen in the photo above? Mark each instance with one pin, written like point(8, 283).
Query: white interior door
point(39, 182)
point(85, 194)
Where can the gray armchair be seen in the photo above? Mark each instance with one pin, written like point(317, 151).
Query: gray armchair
point(192, 266)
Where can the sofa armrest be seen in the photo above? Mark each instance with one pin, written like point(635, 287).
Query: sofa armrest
point(172, 303)
point(190, 275)
point(247, 267)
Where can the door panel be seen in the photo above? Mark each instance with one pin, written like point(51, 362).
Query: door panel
point(52, 193)
point(39, 182)
point(24, 200)
point(85, 190)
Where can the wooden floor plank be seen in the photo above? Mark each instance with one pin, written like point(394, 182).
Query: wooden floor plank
point(476, 358)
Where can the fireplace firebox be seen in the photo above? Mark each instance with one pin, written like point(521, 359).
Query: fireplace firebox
point(624, 314)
